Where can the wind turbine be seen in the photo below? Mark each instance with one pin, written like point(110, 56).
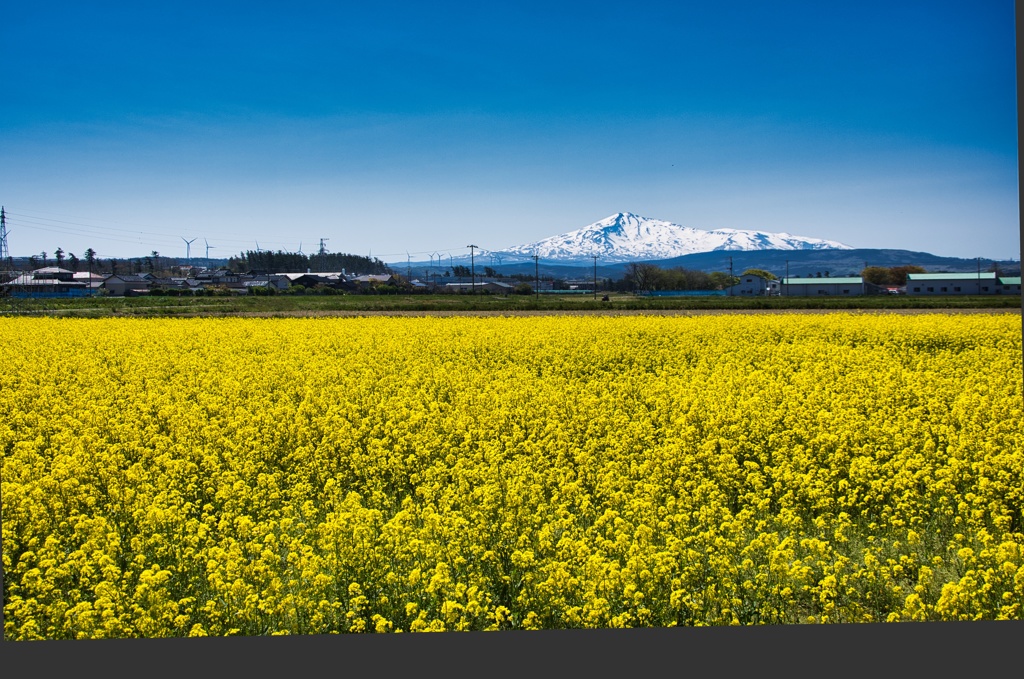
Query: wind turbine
point(208, 246)
point(188, 249)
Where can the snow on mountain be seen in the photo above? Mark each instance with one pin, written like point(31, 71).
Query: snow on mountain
point(627, 237)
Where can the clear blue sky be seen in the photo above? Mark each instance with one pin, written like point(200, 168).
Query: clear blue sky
point(389, 127)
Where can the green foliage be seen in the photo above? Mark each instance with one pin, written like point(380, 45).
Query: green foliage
point(721, 280)
point(895, 275)
point(643, 277)
point(768, 275)
point(898, 274)
point(877, 275)
point(293, 262)
point(523, 289)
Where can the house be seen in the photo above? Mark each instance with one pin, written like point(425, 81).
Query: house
point(218, 277)
point(271, 281)
point(126, 285)
point(331, 279)
point(166, 283)
point(493, 287)
point(376, 279)
point(979, 283)
point(752, 284)
point(50, 281)
point(813, 287)
point(93, 281)
point(580, 284)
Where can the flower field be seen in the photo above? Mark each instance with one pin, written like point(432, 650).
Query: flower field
point(177, 477)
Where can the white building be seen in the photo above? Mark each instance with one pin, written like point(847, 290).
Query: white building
point(1009, 285)
point(814, 287)
point(754, 285)
point(983, 283)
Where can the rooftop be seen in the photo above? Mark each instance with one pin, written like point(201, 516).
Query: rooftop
point(836, 280)
point(984, 275)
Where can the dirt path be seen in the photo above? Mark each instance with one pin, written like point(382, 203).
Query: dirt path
point(612, 312)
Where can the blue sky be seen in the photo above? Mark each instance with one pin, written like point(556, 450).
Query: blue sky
point(394, 127)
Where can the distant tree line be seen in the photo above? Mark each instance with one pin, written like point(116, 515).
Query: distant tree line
point(639, 277)
point(93, 264)
point(643, 277)
point(296, 262)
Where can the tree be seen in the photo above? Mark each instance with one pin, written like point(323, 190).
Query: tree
point(156, 260)
point(73, 261)
point(90, 257)
point(721, 280)
point(461, 271)
point(43, 255)
point(490, 273)
point(33, 263)
point(762, 273)
point(523, 289)
point(642, 276)
point(59, 254)
point(876, 275)
point(898, 274)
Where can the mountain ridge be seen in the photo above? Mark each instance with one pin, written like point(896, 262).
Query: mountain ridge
point(625, 236)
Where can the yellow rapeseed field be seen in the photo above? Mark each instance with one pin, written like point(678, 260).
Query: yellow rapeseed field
point(176, 477)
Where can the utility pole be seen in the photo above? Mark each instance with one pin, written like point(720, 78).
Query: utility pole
point(787, 278)
point(321, 254)
point(536, 276)
point(731, 277)
point(472, 268)
point(6, 262)
point(979, 275)
point(595, 277)
point(5, 252)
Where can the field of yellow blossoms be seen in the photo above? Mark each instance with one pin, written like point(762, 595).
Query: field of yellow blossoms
point(177, 477)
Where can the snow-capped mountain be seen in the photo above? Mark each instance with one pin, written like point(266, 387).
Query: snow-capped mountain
point(627, 237)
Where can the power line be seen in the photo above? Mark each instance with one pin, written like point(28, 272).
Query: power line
point(5, 253)
point(472, 279)
point(87, 229)
point(110, 233)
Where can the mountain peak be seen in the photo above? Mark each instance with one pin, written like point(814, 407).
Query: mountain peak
point(625, 236)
